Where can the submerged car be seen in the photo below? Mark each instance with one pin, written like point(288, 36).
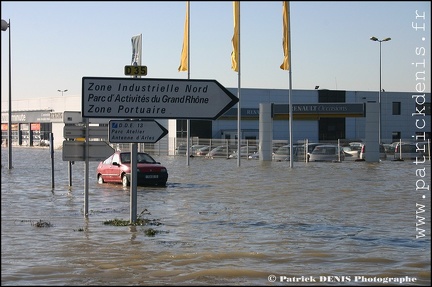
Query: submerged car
point(245, 151)
point(181, 149)
point(220, 151)
point(117, 169)
point(382, 152)
point(327, 153)
point(303, 155)
point(350, 153)
point(202, 151)
point(408, 151)
point(283, 153)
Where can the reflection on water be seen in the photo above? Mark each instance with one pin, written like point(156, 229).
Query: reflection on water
point(221, 224)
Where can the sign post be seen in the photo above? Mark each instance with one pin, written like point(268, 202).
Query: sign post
point(137, 98)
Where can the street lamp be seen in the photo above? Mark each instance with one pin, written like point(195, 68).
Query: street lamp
point(62, 91)
point(379, 92)
point(4, 26)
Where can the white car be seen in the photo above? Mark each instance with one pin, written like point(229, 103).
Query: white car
point(329, 152)
point(283, 153)
point(382, 152)
point(245, 151)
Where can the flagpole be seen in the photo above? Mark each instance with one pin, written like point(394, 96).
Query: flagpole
point(286, 65)
point(290, 112)
point(136, 61)
point(290, 88)
point(188, 53)
point(184, 66)
point(238, 95)
point(235, 65)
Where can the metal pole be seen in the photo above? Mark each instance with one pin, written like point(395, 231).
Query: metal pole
point(188, 134)
point(10, 102)
point(70, 173)
point(51, 142)
point(86, 169)
point(380, 87)
point(239, 133)
point(5, 25)
point(69, 163)
point(379, 99)
point(133, 183)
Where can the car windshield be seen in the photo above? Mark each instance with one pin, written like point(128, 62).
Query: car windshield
point(141, 158)
point(324, 150)
point(282, 150)
point(355, 147)
point(125, 158)
point(144, 158)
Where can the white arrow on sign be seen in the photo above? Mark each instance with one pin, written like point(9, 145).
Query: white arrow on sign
point(154, 98)
point(135, 131)
point(75, 150)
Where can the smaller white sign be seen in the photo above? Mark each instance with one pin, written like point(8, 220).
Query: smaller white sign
point(73, 132)
point(136, 131)
point(75, 151)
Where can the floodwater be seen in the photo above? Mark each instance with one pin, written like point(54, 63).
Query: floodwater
point(217, 223)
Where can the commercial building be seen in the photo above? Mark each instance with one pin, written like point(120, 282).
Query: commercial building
point(318, 115)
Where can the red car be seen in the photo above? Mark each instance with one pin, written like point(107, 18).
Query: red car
point(117, 169)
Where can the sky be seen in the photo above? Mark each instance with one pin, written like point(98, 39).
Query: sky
point(55, 44)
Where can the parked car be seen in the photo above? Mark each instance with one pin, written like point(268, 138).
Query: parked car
point(300, 154)
point(408, 151)
point(350, 153)
point(254, 155)
point(327, 152)
point(220, 151)
point(389, 149)
point(283, 153)
point(245, 151)
point(202, 151)
point(382, 152)
point(181, 149)
point(194, 148)
point(117, 169)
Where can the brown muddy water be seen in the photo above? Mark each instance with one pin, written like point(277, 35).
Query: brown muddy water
point(217, 223)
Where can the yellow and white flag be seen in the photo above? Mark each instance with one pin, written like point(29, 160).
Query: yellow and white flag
point(185, 51)
point(235, 39)
point(286, 35)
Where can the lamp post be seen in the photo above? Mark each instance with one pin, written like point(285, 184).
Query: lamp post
point(379, 92)
point(69, 163)
point(4, 26)
point(62, 91)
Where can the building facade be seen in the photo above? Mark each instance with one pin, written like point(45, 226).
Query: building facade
point(404, 116)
